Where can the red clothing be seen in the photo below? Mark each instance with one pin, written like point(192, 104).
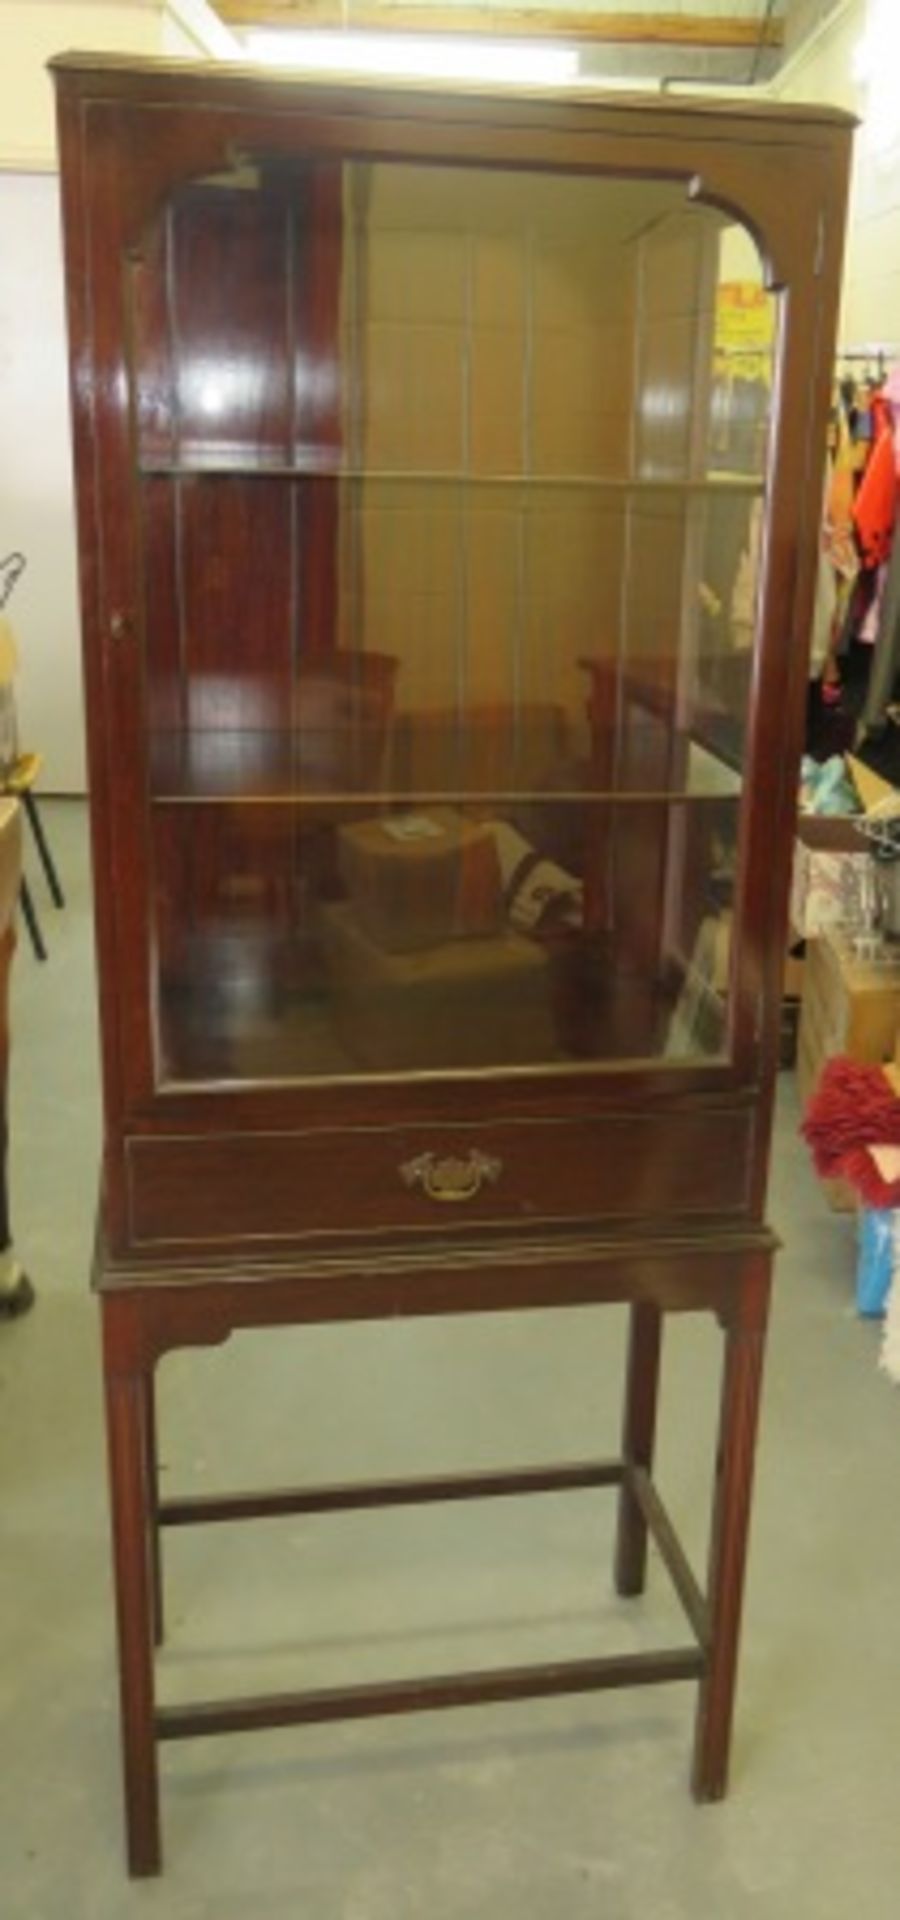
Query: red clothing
point(875, 506)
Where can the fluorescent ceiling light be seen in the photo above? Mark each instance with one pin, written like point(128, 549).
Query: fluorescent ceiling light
point(875, 61)
point(423, 56)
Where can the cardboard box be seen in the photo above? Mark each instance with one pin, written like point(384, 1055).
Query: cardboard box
point(831, 862)
point(876, 795)
point(420, 878)
point(849, 1007)
point(468, 1003)
point(794, 970)
point(830, 856)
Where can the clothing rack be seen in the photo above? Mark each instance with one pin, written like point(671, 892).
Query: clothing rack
point(871, 350)
point(882, 351)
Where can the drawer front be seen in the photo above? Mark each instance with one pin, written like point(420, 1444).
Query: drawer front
point(415, 1180)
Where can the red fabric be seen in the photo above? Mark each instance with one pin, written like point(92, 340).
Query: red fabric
point(882, 414)
point(852, 1108)
point(859, 1168)
point(875, 507)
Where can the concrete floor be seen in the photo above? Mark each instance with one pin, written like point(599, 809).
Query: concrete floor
point(563, 1808)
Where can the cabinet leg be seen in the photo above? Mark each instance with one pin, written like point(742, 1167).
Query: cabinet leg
point(132, 1526)
point(741, 1384)
point(155, 1536)
point(638, 1435)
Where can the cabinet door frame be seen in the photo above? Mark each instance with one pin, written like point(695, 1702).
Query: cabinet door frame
point(129, 140)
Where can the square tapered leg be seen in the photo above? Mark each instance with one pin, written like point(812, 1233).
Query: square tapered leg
point(638, 1437)
point(133, 1559)
point(738, 1418)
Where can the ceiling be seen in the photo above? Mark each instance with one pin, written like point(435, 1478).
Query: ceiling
point(712, 41)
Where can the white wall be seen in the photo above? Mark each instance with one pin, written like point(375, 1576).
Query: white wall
point(36, 513)
point(863, 37)
point(36, 506)
point(190, 30)
point(31, 31)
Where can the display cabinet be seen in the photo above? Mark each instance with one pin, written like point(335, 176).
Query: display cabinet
point(448, 481)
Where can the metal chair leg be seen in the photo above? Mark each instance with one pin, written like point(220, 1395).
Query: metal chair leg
point(31, 808)
point(32, 922)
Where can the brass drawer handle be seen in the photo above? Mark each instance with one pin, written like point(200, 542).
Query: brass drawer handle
point(451, 1177)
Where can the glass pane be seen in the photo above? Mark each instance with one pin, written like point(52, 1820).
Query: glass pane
point(451, 490)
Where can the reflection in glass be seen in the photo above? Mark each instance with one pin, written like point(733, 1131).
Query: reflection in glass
point(451, 491)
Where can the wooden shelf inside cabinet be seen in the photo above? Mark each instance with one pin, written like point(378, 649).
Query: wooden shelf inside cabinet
point(264, 767)
point(436, 979)
point(244, 781)
point(258, 463)
point(390, 802)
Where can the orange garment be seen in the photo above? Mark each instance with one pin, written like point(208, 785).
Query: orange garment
point(837, 533)
point(875, 507)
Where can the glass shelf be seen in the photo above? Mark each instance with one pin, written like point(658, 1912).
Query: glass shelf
point(257, 768)
point(298, 797)
point(255, 463)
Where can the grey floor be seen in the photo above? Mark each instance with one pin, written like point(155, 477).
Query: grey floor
point(554, 1809)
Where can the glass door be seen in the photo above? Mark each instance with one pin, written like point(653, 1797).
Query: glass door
point(451, 488)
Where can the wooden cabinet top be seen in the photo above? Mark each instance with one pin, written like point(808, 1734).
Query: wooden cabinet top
point(120, 76)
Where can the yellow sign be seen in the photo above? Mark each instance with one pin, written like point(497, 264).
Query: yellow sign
point(745, 331)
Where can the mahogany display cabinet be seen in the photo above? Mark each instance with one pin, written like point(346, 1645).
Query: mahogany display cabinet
point(448, 473)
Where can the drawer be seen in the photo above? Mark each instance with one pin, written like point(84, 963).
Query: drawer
point(437, 1178)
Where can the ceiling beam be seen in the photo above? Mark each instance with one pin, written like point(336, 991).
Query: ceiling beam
point(505, 22)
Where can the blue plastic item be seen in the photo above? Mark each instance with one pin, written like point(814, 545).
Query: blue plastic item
point(875, 1264)
point(827, 787)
